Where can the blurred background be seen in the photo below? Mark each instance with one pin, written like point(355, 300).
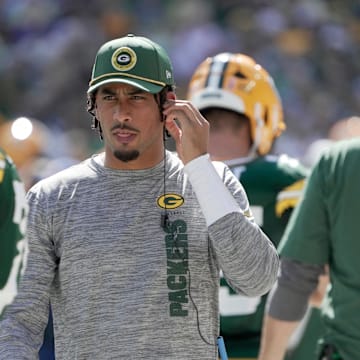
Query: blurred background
point(47, 48)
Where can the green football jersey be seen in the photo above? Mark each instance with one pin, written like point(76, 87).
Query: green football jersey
point(13, 212)
point(326, 231)
point(273, 185)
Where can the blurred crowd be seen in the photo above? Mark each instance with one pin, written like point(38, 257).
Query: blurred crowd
point(311, 48)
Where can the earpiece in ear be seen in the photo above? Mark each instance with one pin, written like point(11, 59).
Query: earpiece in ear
point(166, 134)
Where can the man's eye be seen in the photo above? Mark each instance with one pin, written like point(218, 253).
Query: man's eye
point(109, 97)
point(137, 97)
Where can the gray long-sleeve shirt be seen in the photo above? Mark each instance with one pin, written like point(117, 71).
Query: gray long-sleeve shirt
point(120, 286)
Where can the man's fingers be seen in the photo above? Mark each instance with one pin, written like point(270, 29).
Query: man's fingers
point(183, 112)
point(173, 128)
point(188, 127)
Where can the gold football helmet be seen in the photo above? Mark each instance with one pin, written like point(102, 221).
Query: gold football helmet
point(236, 82)
point(23, 139)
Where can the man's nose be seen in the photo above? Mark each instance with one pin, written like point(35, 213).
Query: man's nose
point(122, 112)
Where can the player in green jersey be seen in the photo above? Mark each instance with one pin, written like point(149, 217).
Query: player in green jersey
point(239, 99)
point(324, 229)
point(13, 211)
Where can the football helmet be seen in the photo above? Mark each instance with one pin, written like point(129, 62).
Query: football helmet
point(236, 82)
point(23, 139)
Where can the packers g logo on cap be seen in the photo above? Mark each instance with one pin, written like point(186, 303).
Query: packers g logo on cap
point(170, 201)
point(124, 59)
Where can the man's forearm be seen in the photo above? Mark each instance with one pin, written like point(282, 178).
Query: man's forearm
point(275, 338)
point(286, 306)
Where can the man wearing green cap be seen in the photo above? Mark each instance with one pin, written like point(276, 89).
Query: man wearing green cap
point(127, 246)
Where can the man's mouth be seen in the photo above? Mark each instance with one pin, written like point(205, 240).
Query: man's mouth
point(124, 136)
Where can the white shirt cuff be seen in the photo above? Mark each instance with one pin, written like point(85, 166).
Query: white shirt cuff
point(214, 197)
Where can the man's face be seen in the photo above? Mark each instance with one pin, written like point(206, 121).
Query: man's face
point(131, 123)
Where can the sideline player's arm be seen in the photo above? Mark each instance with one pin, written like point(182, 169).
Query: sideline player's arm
point(275, 337)
point(286, 306)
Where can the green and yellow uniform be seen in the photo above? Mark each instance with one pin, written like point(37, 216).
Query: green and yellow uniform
point(273, 185)
point(13, 210)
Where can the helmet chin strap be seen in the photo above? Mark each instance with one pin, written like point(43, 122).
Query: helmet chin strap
point(253, 153)
point(258, 129)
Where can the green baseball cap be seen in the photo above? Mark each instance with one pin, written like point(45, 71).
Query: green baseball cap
point(132, 60)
